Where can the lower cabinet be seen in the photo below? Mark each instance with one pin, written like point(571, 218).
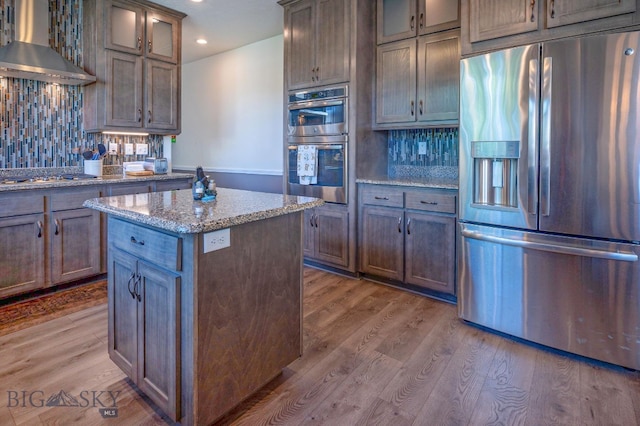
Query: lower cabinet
point(74, 235)
point(144, 324)
point(326, 235)
point(409, 236)
point(22, 248)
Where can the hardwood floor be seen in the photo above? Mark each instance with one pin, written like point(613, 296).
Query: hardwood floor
point(373, 355)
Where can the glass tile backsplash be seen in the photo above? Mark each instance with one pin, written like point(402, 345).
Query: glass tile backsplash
point(42, 122)
point(423, 153)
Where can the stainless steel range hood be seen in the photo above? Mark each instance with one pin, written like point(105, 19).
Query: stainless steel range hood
point(29, 55)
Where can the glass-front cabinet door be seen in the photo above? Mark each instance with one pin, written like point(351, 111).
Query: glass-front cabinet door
point(438, 15)
point(162, 37)
point(124, 27)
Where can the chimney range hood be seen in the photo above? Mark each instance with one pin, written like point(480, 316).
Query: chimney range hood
point(29, 56)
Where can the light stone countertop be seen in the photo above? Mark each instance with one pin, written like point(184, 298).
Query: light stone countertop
point(102, 180)
point(177, 211)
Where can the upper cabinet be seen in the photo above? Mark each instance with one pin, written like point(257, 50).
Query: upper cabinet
point(495, 24)
point(133, 48)
point(564, 12)
point(498, 18)
point(401, 19)
point(417, 82)
point(317, 42)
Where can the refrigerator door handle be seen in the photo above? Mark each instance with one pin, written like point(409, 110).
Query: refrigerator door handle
point(553, 248)
point(532, 166)
point(545, 137)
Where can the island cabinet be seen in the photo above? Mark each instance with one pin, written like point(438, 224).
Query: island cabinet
point(401, 19)
point(417, 81)
point(493, 24)
point(133, 48)
point(408, 236)
point(326, 235)
point(144, 310)
point(22, 242)
point(318, 42)
point(204, 298)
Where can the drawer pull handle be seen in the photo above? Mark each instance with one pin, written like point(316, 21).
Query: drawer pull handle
point(57, 231)
point(431, 203)
point(134, 241)
point(39, 229)
point(400, 224)
point(135, 287)
point(409, 226)
point(381, 198)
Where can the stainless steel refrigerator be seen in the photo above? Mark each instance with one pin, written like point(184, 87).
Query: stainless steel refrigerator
point(550, 195)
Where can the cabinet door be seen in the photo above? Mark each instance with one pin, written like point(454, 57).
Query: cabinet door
point(439, 77)
point(309, 232)
point(162, 37)
point(396, 20)
point(396, 82)
point(123, 29)
point(161, 95)
point(382, 242)
point(438, 15)
point(123, 311)
point(332, 235)
point(124, 90)
point(430, 251)
point(332, 41)
point(490, 19)
point(158, 331)
point(564, 12)
point(21, 254)
point(75, 244)
point(301, 53)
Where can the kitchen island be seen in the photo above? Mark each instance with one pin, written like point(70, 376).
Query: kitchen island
point(204, 297)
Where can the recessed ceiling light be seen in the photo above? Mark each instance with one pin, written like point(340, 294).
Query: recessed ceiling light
point(196, 1)
point(201, 40)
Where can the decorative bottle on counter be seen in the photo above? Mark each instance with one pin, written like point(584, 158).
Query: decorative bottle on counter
point(198, 190)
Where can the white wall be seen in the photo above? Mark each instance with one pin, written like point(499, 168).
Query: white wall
point(232, 111)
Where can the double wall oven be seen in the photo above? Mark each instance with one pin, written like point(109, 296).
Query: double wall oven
point(317, 144)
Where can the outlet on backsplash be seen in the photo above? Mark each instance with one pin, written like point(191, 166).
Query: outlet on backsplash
point(128, 149)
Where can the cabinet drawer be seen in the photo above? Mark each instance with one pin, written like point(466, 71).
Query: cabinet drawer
point(69, 199)
point(19, 203)
point(434, 202)
point(380, 196)
point(129, 188)
point(154, 246)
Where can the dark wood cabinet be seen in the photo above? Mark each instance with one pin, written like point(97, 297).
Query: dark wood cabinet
point(133, 48)
point(497, 24)
point(317, 42)
point(417, 82)
point(402, 19)
point(144, 324)
point(409, 236)
point(326, 235)
point(22, 251)
point(564, 12)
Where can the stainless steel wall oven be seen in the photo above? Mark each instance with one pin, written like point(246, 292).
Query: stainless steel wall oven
point(316, 163)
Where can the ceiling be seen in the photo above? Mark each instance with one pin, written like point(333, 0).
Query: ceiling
point(225, 24)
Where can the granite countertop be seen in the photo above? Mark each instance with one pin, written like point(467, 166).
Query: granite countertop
point(420, 182)
point(102, 180)
point(177, 211)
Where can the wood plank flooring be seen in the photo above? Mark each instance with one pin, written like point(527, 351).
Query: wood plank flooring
point(373, 355)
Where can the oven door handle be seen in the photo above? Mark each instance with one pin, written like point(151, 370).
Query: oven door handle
point(312, 104)
point(318, 146)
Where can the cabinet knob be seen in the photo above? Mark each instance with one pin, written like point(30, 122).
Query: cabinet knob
point(400, 224)
point(413, 22)
point(139, 115)
point(39, 224)
point(420, 107)
point(409, 226)
point(413, 108)
point(131, 291)
point(421, 22)
point(553, 9)
point(149, 46)
point(139, 43)
point(149, 117)
point(57, 227)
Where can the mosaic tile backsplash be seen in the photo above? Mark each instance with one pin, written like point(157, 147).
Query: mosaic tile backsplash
point(423, 153)
point(42, 122)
